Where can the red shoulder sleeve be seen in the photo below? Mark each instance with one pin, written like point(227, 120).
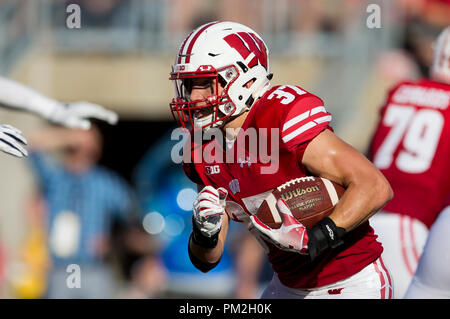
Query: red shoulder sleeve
point(303, 121)
point(447, 200)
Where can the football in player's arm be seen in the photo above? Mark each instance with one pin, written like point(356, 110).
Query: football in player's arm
point(367, 191)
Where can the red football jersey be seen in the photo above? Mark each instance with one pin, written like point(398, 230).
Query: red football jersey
point(286, 118)
point(447, 201)
point(411, 147)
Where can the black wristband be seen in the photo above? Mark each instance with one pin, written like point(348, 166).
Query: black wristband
point(325, 234)
point(201, 265)
point(199, 239)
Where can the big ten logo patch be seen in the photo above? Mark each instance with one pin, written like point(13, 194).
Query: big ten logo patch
point(214, 169)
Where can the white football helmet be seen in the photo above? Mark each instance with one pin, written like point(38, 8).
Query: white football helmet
point(233, 55)
point(440, 69)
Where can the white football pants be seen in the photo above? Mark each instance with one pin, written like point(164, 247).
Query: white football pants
point(373, 282)
point(403, 239)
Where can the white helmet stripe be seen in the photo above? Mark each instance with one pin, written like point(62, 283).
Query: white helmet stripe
point(191, 40)
point(185, 45)
point(180, 51)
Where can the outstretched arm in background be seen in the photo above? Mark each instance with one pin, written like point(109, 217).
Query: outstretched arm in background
point(73, 115)
point(54, 138)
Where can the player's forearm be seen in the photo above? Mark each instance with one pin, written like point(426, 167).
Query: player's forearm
point(18, 96)
point(211, 255)
point(364, 196)
point(51, 139)
point(207, 255)
point(367, 190)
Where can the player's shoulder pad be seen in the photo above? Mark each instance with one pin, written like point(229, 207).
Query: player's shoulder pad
point(422, 82)
point(422, 92)
point(298, 114)
point(402, 84)
point(433, 84)
point(393, 90)
point(279, 101)
point(304, 120)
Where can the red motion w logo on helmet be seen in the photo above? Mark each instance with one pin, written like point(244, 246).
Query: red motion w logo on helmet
point(254, 44)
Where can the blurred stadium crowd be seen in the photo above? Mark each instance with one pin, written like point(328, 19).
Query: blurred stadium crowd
point(120, 58)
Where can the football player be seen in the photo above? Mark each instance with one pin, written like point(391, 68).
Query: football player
point(411, 148)
point(73, 115)
point(222, 82)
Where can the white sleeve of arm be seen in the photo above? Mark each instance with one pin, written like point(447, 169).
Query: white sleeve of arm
point(18, 96)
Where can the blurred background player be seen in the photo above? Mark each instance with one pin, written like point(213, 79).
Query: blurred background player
point(81, 200)
point(411, 148)
point(74, 115)
point(222, 79)
point(431, 279)
point(432, 276)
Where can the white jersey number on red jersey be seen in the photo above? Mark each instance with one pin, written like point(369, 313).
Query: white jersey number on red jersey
point(419, 132)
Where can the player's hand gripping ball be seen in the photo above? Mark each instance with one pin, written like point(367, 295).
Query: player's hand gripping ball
point(310, 199)
point(284, 215)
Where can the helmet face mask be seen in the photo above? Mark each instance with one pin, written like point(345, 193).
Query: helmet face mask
point(230, 55)
point(214, 109)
